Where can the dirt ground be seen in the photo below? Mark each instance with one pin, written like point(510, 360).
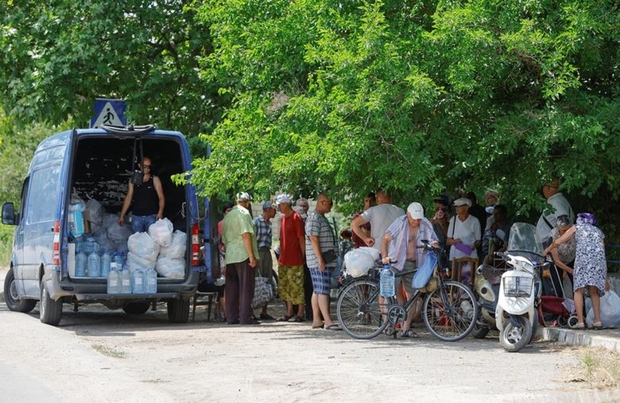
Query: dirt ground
point(100, 355)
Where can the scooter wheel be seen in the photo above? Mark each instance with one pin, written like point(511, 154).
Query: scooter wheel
point(513, 338)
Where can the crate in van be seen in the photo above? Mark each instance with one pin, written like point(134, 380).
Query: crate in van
point(82, 166)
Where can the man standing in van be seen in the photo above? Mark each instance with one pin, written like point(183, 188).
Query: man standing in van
point(146, 200)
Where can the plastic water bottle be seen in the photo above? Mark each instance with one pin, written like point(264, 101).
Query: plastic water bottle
point(119, 259)
point(151, 281)
point(94, 265)
point(114, 280)
point(125, 281)
point(80, 264)
point(386, 282)
point(106, 261)
point(137, 282)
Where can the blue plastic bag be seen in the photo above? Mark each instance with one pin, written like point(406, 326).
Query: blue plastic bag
point(424, 273)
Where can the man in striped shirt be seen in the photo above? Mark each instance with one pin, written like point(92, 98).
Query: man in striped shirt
point(262, 223)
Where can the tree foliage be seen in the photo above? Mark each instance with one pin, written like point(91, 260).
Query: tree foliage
point(417, 97)
point(346, 96)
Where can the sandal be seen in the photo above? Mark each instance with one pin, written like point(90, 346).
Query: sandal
point(297, 318)
point(597, 326)
point(579, 326)
point(284, 318)
point(408, 333)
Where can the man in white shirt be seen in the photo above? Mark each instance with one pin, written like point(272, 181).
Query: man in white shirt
point(380, 218)
point(549, 217)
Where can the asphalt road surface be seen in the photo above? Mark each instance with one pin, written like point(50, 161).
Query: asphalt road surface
point(98, 355)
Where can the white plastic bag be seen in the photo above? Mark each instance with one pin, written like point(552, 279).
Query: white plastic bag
point(610, 311)
point(161, 232)
point(94, 212)
point(371, 251)
point(357, 262)
point(142, 245)
point(136, 262)
point(177, 246)
point(114, 231)
point(171, 268)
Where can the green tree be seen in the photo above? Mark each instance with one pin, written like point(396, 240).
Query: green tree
point(417, 98)
point(57, 56)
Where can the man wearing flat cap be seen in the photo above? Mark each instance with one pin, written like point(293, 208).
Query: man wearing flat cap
point(264, 269)
point(239, 238)
point(291, 260)
point(463, 231)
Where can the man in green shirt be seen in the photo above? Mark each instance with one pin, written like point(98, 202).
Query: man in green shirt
point(239, 239)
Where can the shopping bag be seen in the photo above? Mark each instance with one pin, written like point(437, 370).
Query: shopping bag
point(610, 311)
point(262, 292)
point(424, 273)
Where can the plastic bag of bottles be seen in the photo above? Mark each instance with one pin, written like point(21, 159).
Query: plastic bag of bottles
point(161, 232)
point(177, 247)
point(136, 262)
point(171, 268)
point(143, 245)
point(94, 212)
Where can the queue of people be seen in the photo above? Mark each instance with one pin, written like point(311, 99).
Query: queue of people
point(308, 248)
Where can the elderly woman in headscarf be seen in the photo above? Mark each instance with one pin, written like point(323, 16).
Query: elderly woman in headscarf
point(590, 269)
point(564, 255)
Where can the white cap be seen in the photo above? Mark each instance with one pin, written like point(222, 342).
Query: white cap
point(243, 196)
point(415, 210)
point(463, 201)
point(283, 198)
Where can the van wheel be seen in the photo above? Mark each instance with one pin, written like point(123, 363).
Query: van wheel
point(178, 310)
point(13, 302)
point(50, 311)
point(136, 308)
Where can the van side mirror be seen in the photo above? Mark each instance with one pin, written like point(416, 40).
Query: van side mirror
point(8, 213)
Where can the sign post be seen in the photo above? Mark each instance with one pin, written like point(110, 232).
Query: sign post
point(109, 112)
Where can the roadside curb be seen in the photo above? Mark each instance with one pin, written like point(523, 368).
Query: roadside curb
point(580, 338)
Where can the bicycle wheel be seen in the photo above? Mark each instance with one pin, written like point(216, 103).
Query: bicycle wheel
point(359, 312)
point(450, 311)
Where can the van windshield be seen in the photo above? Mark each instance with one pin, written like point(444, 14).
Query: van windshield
point(43, 188)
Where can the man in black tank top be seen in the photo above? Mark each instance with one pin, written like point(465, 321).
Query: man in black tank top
point(146, 200)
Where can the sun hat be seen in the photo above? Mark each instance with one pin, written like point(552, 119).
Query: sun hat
point(283, 198)
point(462, 201)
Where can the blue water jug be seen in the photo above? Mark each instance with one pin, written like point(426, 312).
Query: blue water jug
point(137, 282)
point(386, 282)
point(151, 281)
point(80, 264)
point(125, 281)
point(94, 265)
point(106, 261)
point(114, 281)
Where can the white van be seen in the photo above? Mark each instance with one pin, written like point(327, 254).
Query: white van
point(95, 164)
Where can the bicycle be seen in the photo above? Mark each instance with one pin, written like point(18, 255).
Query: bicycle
point(449, 308)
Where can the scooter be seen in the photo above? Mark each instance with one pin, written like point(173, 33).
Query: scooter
point(516, 314)
point(486, 288)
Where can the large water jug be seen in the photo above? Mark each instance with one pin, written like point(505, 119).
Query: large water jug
point(114, 281)
point(125, 281)
point(119, 258)
point(94, 265)
point(80, 264)
point(151, 281)
point(106, 261)
point(386, 282)
point(137, 282)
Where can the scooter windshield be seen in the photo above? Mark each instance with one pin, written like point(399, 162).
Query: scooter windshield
point(523, 239)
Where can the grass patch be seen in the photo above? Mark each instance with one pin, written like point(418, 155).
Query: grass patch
point(110, 352)
point(600, 368)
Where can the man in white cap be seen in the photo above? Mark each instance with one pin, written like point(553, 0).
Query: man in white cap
point(291, 260)
point(239, 239)
point(464, 233)
point(402, 244)
point(262, 224)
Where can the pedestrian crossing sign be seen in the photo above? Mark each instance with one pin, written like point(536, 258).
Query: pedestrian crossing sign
point(109, 112)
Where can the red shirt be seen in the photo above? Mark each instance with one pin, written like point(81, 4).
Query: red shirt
point(291, 230)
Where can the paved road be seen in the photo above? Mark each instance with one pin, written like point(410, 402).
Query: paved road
point(98, 355)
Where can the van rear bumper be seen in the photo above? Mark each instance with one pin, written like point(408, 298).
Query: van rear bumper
point(93, 290)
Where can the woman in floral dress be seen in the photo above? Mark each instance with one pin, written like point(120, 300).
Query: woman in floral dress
point(590, 268)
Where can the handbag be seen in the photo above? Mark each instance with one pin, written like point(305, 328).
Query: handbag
point(329, 256)
point(424, 273)
point(262, 292)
